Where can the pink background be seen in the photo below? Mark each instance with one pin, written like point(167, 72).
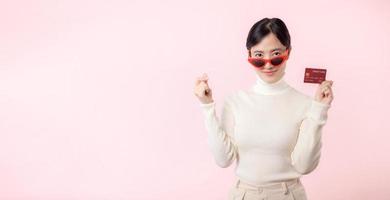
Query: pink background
point(96, 97)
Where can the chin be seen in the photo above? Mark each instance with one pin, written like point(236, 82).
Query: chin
point(270, 78)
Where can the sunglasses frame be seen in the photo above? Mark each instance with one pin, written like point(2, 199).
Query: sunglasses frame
point(283, 57)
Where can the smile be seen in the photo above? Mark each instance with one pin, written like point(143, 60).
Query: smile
point(269, 72)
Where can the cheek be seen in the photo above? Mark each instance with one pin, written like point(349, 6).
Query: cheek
point(281, 71)
point(282, 68)
point(284, 65)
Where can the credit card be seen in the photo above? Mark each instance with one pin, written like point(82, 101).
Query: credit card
point(314, 75)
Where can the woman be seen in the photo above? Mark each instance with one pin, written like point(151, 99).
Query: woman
point(271, 130)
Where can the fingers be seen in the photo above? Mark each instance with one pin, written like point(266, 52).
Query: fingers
point(330, 94)
point(197, 81)
point(204, 78)
point(201, 86)
point(326, 88)
point(200, 90)
point(326, 83)
point(327, 91)
point(203, 90)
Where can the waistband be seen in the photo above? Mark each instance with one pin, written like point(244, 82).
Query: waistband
point(272, 186)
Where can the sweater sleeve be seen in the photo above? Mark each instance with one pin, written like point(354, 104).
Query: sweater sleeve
point(220, 133)
point(307, 151)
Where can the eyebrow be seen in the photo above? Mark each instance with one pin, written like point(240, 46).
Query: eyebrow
point(270, 51)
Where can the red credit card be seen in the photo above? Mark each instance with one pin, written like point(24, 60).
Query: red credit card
point(314, 75)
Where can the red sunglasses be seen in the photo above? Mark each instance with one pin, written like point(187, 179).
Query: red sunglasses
point(275, 61)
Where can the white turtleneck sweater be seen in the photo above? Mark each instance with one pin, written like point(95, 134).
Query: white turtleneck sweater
point(272, 132)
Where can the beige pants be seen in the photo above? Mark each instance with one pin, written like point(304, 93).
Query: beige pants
point(290, 190)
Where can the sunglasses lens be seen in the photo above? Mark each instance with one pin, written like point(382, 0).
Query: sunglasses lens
point(276, 61)
point(257, 62)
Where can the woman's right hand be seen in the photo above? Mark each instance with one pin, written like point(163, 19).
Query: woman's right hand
point(202, 90)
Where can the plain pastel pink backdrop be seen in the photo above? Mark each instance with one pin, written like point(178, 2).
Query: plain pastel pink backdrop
point(96, 97)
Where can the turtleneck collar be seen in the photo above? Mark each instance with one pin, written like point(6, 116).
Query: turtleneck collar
point(265, 88)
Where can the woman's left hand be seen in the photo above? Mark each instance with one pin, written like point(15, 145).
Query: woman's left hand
point(324, 92)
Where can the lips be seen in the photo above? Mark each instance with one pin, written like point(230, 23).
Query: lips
point(268, 72)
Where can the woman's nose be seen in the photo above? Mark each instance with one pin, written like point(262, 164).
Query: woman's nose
point(268, 66)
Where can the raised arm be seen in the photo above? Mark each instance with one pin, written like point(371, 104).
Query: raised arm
point(307, 152)
point(220, 133)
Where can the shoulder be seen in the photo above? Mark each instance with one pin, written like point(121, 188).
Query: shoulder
point(234, 97)
point(300, 101)
point(230, 97)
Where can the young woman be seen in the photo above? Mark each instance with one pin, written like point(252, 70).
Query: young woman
point(271, 130)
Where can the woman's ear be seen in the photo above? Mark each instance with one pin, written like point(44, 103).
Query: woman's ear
point(289, 51)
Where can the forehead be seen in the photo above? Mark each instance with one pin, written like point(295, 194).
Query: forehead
point(268, 44)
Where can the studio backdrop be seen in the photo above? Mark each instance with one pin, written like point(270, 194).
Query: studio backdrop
point(96, 97)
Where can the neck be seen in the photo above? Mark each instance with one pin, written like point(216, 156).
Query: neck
point(266, 88)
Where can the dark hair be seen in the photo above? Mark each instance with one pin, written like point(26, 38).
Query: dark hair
point(265, 26)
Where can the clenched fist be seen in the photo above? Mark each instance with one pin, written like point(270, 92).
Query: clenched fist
point(202, 89)
point(324, 92)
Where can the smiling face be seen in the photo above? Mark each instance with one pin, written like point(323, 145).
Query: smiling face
point(268, 48)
